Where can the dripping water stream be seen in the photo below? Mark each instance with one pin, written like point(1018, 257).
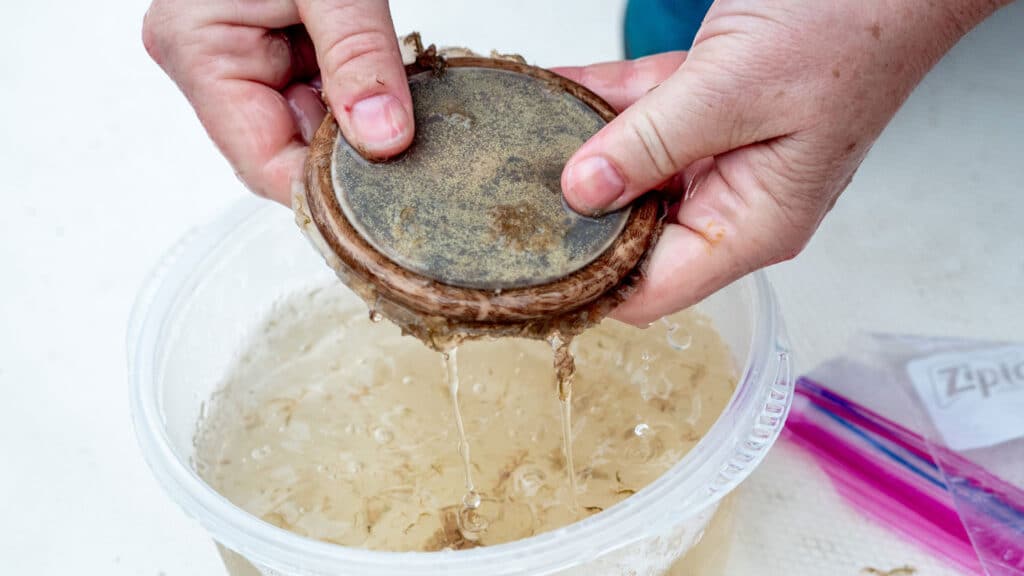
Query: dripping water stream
point(565, 370)
point(471, 523)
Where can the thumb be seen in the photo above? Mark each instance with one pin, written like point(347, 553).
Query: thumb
point(363, 77)
point(674, 125)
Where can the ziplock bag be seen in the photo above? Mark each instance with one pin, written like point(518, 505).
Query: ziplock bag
point(927, 436)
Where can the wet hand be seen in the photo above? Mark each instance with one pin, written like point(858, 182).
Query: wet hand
point(251, 71)
point(757, 130)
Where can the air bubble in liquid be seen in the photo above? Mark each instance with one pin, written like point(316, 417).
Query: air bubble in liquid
point(471, 523)
point(527, 481)
point(383, 435)
point(678, 338)
point(645, 447)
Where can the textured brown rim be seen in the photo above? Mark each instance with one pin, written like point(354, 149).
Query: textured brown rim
point(429, 296)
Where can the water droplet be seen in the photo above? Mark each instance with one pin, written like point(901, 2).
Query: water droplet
point(471, 499)
point(696, 407)
point(354, 467)
point(407, 380)
point(479, 388)
point(375, 316)
point(382, 435)
point(641, 430)
point(261, 452)
point(645, 356)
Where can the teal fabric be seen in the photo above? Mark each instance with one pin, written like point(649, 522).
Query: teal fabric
point(655, 26)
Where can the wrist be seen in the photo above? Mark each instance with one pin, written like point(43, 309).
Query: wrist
point(964, 15)
point(913, 35)
point(945, 22)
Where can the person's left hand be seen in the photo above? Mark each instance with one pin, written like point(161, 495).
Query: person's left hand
point(756, 130)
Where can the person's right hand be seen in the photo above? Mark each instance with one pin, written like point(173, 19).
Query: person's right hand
point(250, 70)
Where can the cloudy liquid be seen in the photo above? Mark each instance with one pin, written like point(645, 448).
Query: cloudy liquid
point(338, 428)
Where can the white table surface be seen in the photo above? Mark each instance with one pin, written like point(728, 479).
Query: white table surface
point(103, 166)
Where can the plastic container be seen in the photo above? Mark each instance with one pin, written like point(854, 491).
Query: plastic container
point(210, 291)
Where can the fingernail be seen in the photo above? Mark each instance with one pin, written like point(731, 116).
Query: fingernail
point(594, 185)
point(379, 123)
point(306, 129)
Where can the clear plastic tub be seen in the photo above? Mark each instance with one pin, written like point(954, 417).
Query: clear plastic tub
point(210, 291)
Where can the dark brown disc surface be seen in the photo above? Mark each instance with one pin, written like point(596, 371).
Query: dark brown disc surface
point(476, 201)
point(467, 230)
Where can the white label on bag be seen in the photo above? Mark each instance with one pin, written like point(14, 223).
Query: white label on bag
point(975, 398)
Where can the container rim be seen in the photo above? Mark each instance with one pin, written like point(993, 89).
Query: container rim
point(735, 444)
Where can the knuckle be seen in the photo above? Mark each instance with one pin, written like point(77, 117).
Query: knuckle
point(786, 245)
point(151, 32)
point(790, 242)
point(251, 180)
point(791, 249)
point(160, 33)
point(353, 48)
point(644, 128)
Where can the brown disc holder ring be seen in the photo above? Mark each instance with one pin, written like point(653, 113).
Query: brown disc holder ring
point(443, 315)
